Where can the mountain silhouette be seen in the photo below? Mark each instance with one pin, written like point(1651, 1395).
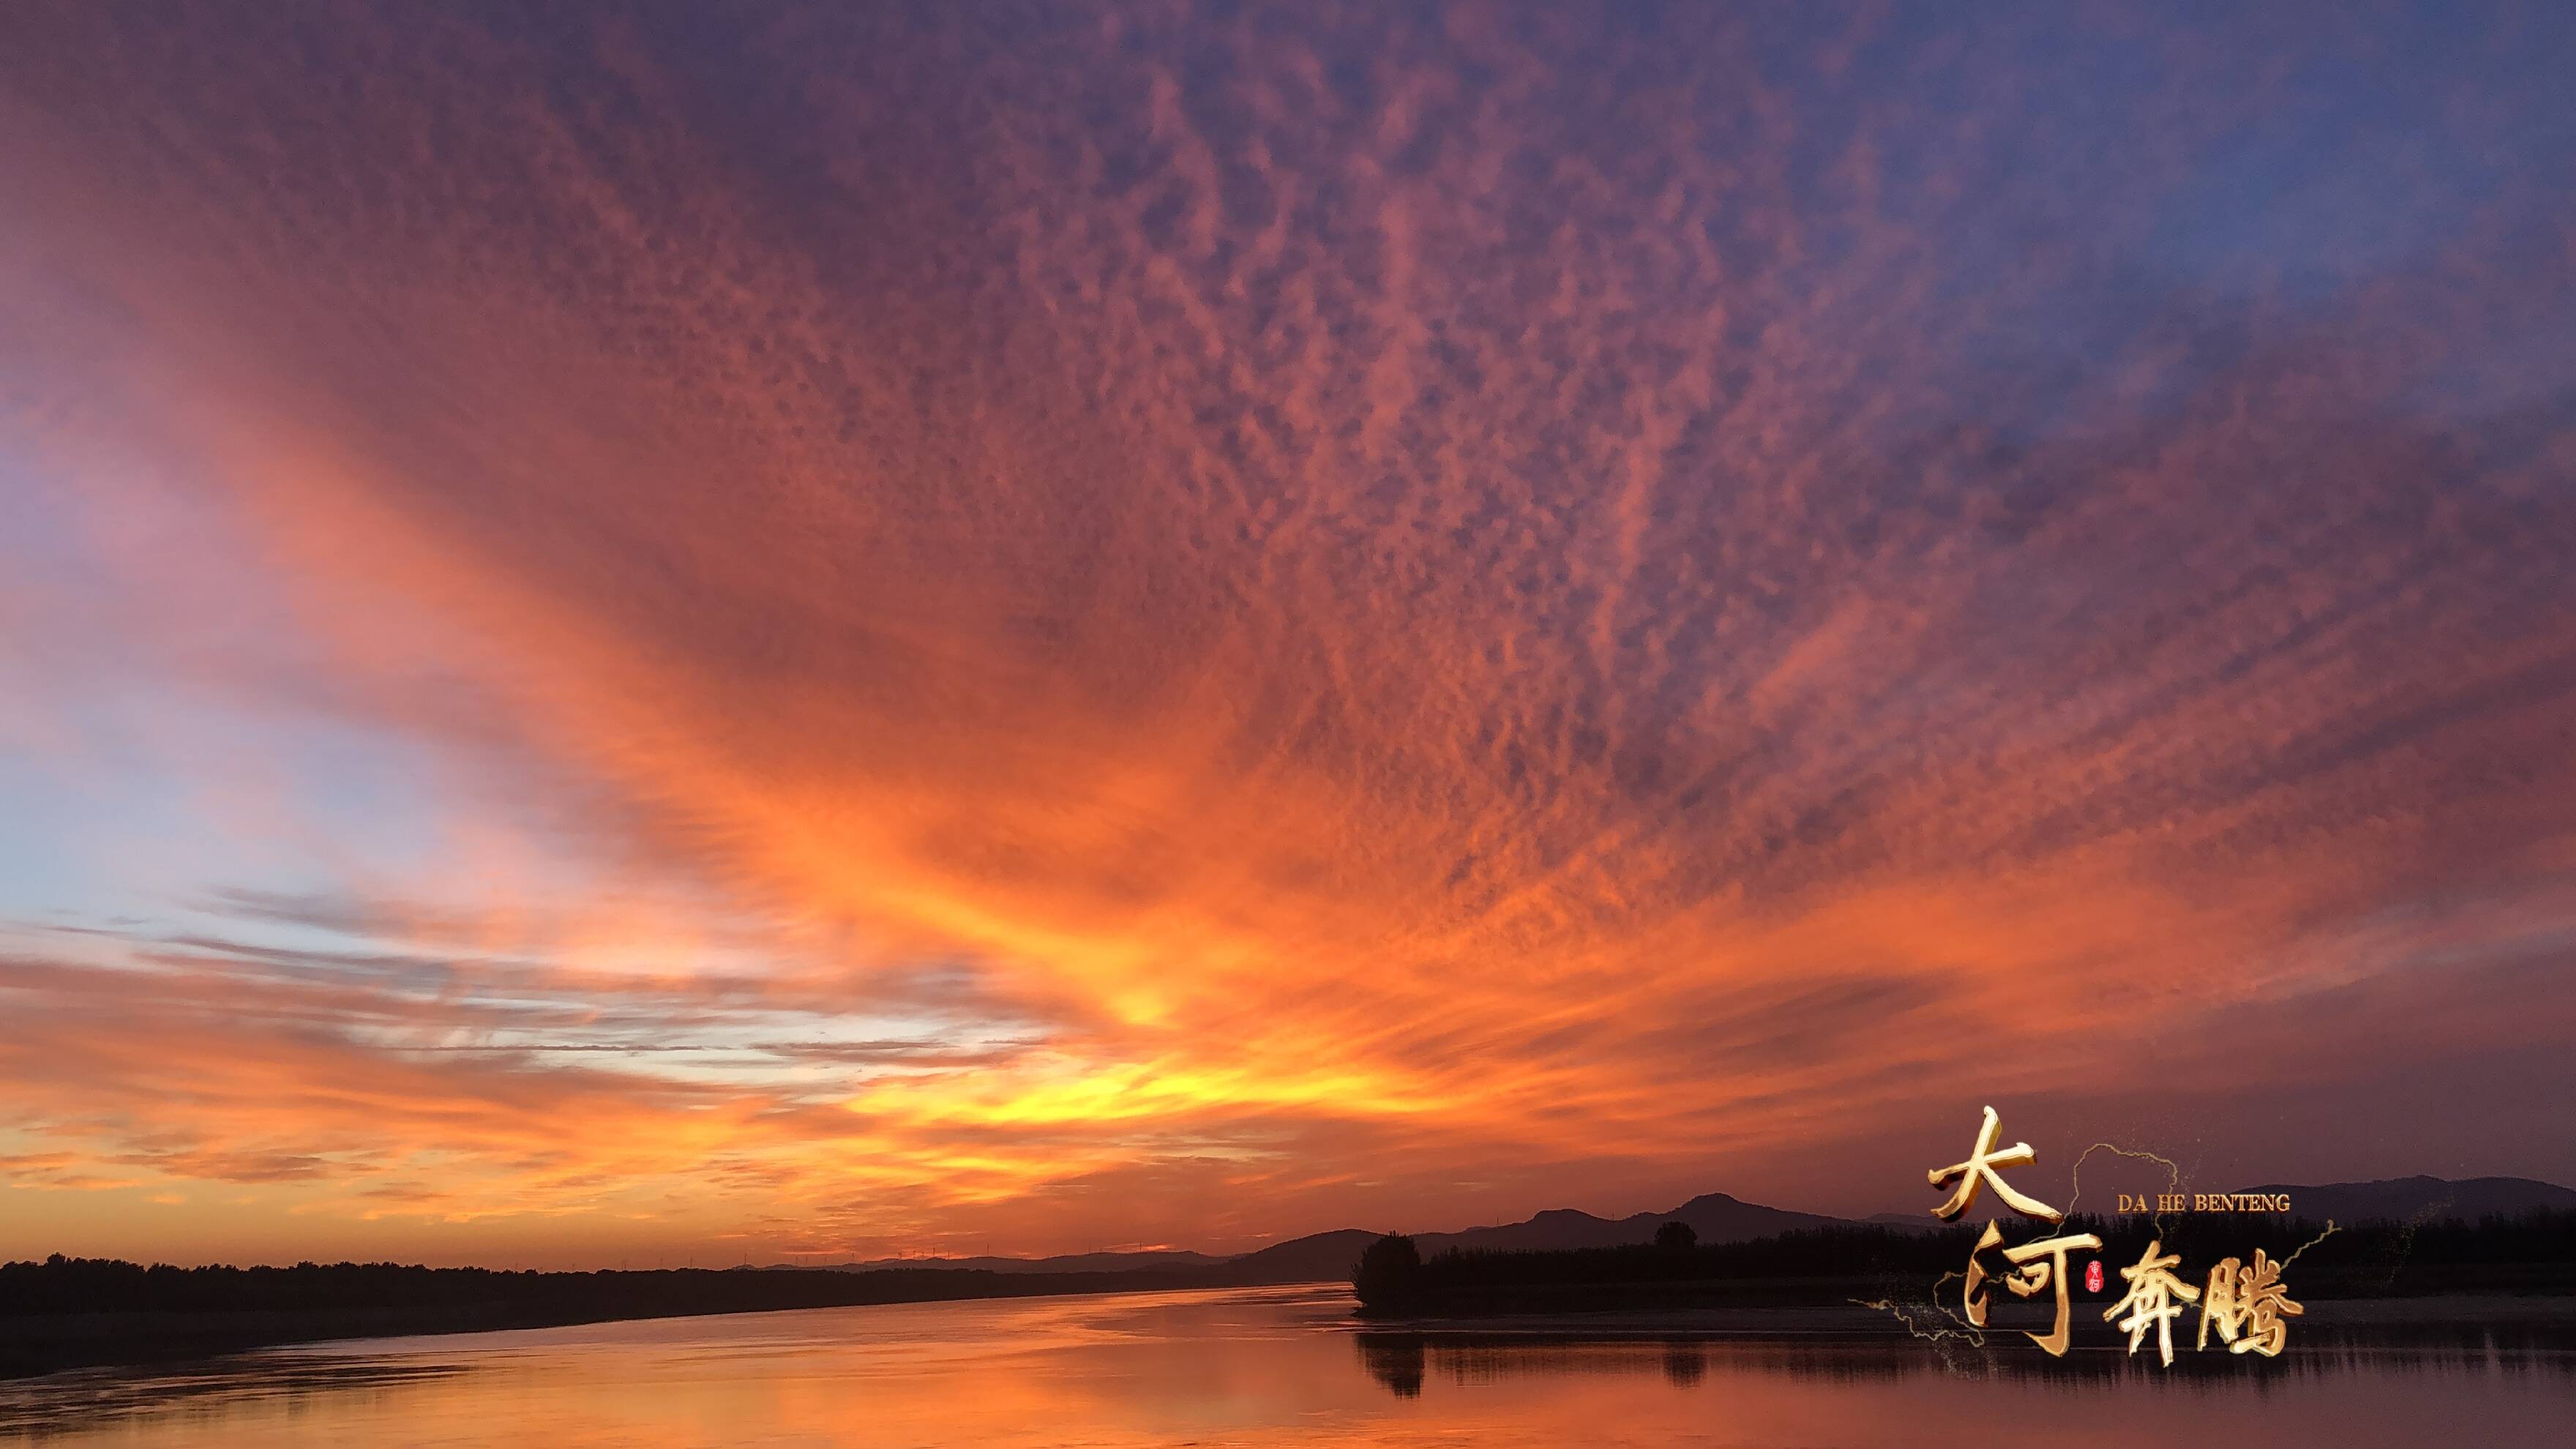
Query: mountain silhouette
point(2422, 1199)
point(1061, 1263)
point(71, 1313)
point(1314, 1258)
point(1721, 1218)
point(1715, 1216)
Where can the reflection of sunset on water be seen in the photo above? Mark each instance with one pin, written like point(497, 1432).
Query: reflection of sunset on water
point(1276, 1366)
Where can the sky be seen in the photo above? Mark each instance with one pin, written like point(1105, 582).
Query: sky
point(660, 633)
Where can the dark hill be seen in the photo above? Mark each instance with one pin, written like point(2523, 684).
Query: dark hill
point(1061, 1263)
point(1716, 1217)
point(2423, 1199)
point(1315, 1258)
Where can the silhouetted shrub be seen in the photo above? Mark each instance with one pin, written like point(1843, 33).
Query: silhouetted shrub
point(1388, 1276)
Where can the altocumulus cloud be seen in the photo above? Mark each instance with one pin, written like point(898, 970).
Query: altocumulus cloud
point(1228, 622)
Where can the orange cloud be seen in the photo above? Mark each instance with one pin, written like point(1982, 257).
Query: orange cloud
point(1422, 623)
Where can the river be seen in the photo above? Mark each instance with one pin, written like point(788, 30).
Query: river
point(1271, 1366)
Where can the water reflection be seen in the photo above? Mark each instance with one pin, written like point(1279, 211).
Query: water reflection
point(1291, 1366)
point(89, 1399)
point(1403, 1360)
point(1395, 1360)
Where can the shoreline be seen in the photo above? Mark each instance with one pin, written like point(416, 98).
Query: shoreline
point(1861, 1321)
point(68, 1343)
point(33, 1345)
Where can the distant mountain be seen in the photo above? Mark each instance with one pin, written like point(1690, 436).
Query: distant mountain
point(1062, 1263)
point(2401, 1199)
point(2422, 1199)
point(1315, 1258)
point(1320, 1257)
point(1716, 1217)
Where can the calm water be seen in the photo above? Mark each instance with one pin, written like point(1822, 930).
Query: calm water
point(1270, 1366)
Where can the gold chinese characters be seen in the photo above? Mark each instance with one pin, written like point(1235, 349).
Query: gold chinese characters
point(2247, 1305)
point(2030, 1273)
point(2248, 1301)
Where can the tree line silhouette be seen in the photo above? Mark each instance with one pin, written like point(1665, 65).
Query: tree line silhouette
point(71, 1312)
point(2532, 1252)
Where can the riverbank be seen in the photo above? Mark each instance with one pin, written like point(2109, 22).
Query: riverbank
point(1610, 1298)
point(74, 1314)
point(2531, 1254)
point(2372, 1319)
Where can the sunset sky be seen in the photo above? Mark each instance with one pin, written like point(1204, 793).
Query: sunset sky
point(811, 632)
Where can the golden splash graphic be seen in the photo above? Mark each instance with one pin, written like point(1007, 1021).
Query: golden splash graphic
point(2310, 1243)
